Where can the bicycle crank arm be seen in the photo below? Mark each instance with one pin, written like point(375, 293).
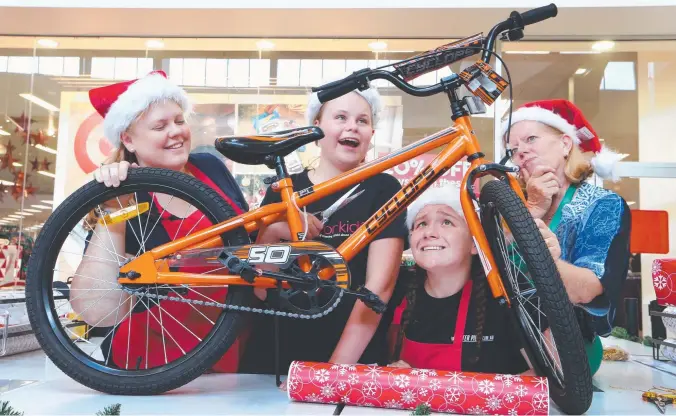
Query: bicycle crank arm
point(369, 298)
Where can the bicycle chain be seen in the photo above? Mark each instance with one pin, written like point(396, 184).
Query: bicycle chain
point(236, 307)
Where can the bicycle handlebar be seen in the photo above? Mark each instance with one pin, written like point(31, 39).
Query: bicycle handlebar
point(359, 79)
point(539, 14)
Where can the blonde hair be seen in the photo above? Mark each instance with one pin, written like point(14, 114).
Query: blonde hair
point(121, 154)
point(578, 166)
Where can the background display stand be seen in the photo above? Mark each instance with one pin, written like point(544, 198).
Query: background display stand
point(659, 341)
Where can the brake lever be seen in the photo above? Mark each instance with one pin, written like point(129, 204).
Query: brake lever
point(512, 35)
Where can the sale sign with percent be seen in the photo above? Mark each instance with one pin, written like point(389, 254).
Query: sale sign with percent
point(407, 170)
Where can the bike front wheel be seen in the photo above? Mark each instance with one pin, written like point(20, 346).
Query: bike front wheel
point(540, 306)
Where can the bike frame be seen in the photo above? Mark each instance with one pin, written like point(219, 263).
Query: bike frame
point(459, 141)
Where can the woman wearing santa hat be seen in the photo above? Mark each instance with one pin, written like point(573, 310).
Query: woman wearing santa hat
point(585, 226)
point(145, 120)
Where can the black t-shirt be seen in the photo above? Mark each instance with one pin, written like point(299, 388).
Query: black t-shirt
point(315, 340)
point(433, 321)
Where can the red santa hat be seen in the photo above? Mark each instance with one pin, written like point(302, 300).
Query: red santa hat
point(120, 104)
point(566, 117)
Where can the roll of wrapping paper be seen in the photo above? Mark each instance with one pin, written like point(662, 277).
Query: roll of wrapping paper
point(406, 388)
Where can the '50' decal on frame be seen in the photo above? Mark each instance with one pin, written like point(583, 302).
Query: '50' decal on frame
point(269, 254)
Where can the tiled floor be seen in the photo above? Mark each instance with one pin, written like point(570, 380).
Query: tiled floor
point(53, 393)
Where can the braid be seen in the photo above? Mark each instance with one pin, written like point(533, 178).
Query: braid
point(418, 277)
point(480, 299)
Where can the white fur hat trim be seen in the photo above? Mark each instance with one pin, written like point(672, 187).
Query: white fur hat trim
point(136, 99)
point(447, 195)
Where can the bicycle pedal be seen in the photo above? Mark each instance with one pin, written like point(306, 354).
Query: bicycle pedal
point(238, 266)
point(369, 298)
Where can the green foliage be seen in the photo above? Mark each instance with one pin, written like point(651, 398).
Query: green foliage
point(112, 410)
point(422, 409)
point(6, 409)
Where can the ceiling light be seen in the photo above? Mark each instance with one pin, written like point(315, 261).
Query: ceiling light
point(528, 52)
point(15, 216)
point(44, 172)
point(378, 46)
point(37, 211)
point(48, 43)
point(603, 45)
point(631, 202)
point(3, 133)
point(154, 44)
point(581, 71)
point(25, 214)
point(46, 201)
point(265, 44)
point(41, 206)
point(39, 101)
point(7, 183)
point(17, 164)
point(45, 148)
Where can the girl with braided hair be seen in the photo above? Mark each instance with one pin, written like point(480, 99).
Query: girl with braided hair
point(448, 320)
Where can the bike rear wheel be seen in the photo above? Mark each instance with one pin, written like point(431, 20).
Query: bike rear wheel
point(539, 301)
point(76, 352)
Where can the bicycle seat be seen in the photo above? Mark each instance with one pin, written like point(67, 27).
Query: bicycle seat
point(258, 149)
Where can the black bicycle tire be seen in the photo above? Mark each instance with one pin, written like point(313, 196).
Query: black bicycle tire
point(576, 395)
point(200, 358)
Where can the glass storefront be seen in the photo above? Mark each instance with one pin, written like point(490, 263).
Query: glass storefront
point(51, 138)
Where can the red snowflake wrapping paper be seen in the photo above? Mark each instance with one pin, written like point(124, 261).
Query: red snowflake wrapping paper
point(664, 281)
point(406, 388)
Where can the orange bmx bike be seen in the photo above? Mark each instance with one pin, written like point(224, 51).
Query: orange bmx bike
point(149, 287)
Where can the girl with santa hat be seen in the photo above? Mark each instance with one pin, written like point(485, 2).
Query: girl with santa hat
point(145, 120)
point(586, 227)
point(447, 319)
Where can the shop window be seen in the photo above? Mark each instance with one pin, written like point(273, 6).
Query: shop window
point(71, 66)
point(238, 73)
point(259, 72)
point(619, 76)
point(333, 69)
point(288, 72)
point(22, 64)
point(310, 72)
point(217, 73)
point(50, 65)
point(352, 65)
point(194, 71)
point(121, 68)
point(125, 68)
point(144, 67)
point(176, 70)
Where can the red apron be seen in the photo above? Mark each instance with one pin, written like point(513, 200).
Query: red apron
point(446, 357)
point(142, 333)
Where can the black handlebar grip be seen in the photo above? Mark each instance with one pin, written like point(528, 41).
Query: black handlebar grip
point(337, 91)
point(537, 15)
